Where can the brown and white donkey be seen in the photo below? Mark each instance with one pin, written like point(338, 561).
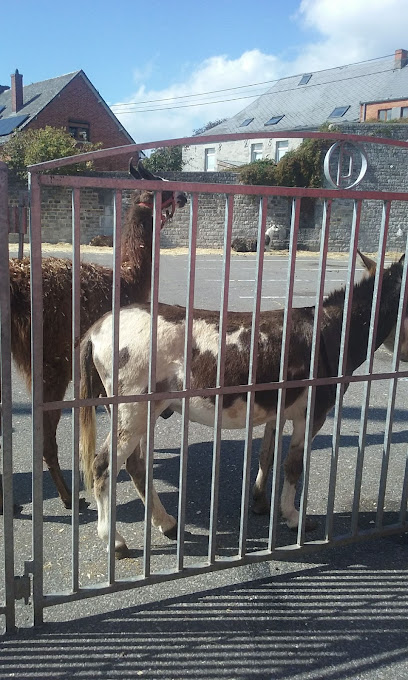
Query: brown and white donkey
point(133, 375)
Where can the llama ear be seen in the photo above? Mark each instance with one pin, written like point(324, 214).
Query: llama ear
point(145, 173)
point(368, 263)
point(134, 171)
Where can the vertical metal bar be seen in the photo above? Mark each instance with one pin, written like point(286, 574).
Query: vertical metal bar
point(117, 231)
point(392, 395)
point(314, 364)
point(253, 356)
point(151, 408)
point(37, 395)
point(404, 496)
point(280, 410)
point(348, 298)
point(6, 406)
point(76, 335)
point(22, 230)
point(212, 539)
point(187, 380)
point(369, 365)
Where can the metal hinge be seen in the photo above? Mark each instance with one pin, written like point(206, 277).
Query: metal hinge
point(22, 584)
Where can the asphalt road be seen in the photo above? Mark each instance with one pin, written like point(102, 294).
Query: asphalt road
point(339, 614)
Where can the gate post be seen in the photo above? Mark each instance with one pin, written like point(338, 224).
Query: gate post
point(6, 405)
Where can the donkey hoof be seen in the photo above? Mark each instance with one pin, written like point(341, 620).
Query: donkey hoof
point(121, 552)
point(260, 506)
point(171, 533)
point(310, 525)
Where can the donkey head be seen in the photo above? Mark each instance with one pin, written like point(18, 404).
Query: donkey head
point(370, 267)
point(170, 199)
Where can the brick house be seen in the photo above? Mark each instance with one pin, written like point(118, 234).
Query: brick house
point(371, 91)
point(69, 101)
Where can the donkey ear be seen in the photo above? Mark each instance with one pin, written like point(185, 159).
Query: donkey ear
point(134, 171)
point(368, 263)
point(145, 173)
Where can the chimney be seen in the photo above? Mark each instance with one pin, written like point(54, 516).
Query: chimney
point(16, 91)
point(401, 58)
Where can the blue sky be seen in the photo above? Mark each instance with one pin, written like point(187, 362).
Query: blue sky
point(157, 50)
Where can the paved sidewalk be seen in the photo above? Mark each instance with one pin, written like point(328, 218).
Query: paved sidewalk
point(340, 615)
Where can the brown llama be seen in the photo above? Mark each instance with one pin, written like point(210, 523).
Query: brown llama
point(96, 300)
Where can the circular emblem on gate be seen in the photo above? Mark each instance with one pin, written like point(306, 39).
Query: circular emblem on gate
point(344, 159)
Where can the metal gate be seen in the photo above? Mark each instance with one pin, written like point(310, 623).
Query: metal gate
point(45, 574)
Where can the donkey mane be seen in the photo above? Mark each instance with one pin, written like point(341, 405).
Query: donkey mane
point(95, 300)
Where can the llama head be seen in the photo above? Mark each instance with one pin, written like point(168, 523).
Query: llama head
point(170, 199)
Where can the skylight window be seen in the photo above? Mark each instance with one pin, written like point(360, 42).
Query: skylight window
point(247, 121)
point(273, 120)
point(305, 79)
point(339, 111)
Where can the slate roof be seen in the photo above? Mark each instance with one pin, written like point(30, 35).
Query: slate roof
point(37, 96)
point(310, 105)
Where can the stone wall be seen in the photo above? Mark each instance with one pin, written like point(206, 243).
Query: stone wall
point(387, 171)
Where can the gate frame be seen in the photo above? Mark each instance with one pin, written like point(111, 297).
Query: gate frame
point(37, 179)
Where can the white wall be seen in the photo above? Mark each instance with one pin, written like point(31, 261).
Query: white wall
point(230, 154)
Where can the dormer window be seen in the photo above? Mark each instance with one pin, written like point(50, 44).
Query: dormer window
point(79, 131)
point(305, 79)
point(247, 121)
point(339, 111)
point(274, 120)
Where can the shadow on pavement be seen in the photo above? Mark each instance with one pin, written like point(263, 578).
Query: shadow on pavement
point(343, 619)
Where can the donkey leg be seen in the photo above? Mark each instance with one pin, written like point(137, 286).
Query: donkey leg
point(293, 469)
point(101, 472)
point(261, 505)
point(135, 466)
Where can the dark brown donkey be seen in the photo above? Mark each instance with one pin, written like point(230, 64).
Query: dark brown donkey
point(134, 343)
point(96, 300)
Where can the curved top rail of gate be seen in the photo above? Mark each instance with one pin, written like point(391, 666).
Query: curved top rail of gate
point(336, 137)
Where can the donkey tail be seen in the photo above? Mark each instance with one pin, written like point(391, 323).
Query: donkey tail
point(89, 388)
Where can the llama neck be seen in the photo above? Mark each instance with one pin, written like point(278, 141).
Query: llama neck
point(136, 254)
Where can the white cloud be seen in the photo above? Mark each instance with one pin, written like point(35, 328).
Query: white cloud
point(215, 73)
point(350, 30)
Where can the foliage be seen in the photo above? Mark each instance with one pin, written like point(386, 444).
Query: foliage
point(165, 158)
point(301, 167)
point(28, 147)
point(207, 126)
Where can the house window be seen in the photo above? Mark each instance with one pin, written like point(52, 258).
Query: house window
point(256, 152)
point(339, 111)
point(281, 149)
point(79, 131)
point(404, 112)
point(273, 120)
point(384, 114)
point(305, 79)
point(247, 121)
point(209, 159)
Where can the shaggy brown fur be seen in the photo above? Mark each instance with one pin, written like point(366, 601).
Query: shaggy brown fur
point(96, 300)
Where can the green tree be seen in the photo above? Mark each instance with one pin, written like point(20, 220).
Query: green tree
point(28, 147)
point(165, 158)
point(207, 126)
point(301, 167)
